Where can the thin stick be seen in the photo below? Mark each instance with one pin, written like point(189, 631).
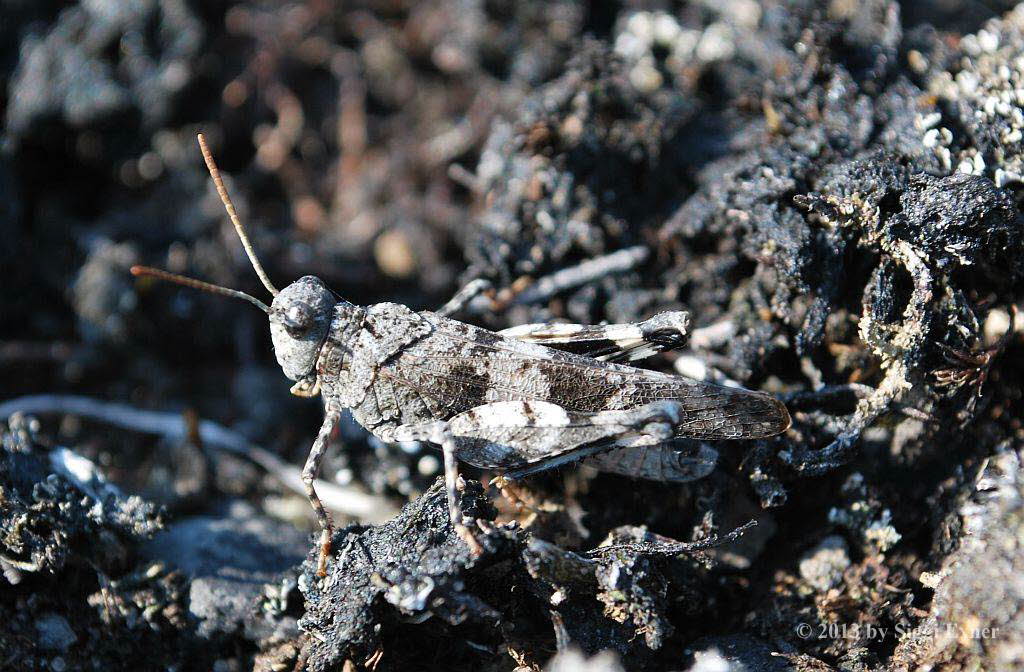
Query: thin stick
point(198, 284)
point(343, 499)
point(229, 206)
point(673, 548)
point(584, 272)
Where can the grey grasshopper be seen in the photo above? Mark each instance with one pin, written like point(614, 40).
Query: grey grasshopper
point(517, 401)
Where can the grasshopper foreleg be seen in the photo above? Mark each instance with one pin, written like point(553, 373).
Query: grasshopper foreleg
point(309, 474)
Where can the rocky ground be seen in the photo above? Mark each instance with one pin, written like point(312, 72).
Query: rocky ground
point(833, 190)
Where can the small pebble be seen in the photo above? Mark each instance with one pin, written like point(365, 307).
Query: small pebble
point(823, 566)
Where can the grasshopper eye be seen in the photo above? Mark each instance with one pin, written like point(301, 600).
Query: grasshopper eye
point(298, 319)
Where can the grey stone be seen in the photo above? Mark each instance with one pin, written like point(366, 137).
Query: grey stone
point(230, 558)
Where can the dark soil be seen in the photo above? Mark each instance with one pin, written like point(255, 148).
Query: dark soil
point(832, 190)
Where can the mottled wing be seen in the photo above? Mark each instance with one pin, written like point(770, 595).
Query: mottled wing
point(458, 367)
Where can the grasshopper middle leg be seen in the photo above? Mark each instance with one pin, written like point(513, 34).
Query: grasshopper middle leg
point(440, 433)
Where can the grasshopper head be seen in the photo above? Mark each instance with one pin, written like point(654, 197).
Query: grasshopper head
point(300, 314)
point(300, 319)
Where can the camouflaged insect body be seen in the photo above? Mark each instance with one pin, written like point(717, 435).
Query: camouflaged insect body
point(510, 403)
point(519, 401)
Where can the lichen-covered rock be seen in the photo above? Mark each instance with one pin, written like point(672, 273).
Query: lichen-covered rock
point(57, 509)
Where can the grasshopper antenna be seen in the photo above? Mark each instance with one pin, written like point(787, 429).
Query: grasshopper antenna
point(198, 284)
point(229, 206)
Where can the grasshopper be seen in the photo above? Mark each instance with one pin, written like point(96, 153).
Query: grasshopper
point(518, 401)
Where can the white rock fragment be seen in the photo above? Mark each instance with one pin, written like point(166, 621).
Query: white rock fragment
point(822, 567)
point(717, 43)
point(926, 121)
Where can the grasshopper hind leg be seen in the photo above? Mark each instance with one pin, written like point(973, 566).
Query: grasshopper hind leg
point(524, 437)
point(628, 342)
point(667, 462)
